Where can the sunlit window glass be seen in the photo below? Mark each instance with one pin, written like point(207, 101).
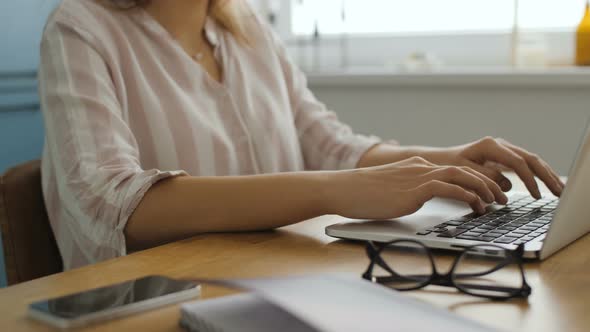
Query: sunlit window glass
point(430, 16)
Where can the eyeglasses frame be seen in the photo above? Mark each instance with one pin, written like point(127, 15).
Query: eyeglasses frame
point(447, 279)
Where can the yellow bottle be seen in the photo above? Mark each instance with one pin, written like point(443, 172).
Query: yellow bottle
point(583, 39)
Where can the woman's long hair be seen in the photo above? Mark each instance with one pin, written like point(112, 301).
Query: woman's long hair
point(230, 14)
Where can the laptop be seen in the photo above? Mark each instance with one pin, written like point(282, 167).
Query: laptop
point(544, 226)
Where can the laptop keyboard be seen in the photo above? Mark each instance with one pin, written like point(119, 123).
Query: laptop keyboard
point(520, 221)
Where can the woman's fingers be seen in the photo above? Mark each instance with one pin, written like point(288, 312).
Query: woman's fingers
point(492, 173)
point(498, 167)
point(539, 167)
point(499, 195)
point(462, 177)
point(436, 188)
point(545, 175)
point(505, 183)
point(501, 154)
point(554, 175)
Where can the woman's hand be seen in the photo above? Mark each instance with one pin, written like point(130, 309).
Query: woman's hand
point(399, 189)
point(490, 156)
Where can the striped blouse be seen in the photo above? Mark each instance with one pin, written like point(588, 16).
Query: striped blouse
point(125, 107)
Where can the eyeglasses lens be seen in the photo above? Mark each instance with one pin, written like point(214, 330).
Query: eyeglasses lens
point(404, 265)
point(492, 274)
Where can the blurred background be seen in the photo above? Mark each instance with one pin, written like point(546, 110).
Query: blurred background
point(425, 72)
point(452, 33)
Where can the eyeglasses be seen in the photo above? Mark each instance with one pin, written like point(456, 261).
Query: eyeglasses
point(484, 270)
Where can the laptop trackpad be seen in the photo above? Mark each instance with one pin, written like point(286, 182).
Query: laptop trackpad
point(435, 212)
point(432, 213)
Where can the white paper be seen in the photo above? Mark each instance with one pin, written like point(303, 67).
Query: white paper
point(245, 312)
point(338, 303)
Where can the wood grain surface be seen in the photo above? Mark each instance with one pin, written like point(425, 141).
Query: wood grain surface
point(561, 284)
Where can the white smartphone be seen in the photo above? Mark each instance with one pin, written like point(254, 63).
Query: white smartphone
point(113, 301)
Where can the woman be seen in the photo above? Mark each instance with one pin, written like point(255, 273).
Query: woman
point(177, 117)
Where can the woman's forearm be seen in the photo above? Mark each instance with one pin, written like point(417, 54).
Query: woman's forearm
point(387, 154)
point(184, 206)
point(382, 154)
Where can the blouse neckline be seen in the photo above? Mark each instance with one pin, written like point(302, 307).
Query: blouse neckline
point(212, 33)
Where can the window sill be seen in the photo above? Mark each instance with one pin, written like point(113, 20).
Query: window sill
point(469, 77)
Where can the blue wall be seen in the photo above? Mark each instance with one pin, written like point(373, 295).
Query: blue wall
point(21, 125)
point(21, 139)
point(21, 23)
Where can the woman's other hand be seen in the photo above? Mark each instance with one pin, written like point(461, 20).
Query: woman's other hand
point(401, 188)
point(491, 156)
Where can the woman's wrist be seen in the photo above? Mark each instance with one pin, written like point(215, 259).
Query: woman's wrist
point(387, 154)
point(438, 156)
point(324, 188)
point(381, 154)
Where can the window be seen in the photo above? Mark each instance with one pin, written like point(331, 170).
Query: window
point(388, 34)
point(361, 17)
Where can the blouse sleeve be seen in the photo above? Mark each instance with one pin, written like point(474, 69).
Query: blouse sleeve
point(326, 143)
point(92, 153)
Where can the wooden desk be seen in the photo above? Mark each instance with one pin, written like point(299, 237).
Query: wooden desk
point(561, 284)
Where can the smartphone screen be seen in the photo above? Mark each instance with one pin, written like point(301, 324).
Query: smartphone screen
point(110, 297)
